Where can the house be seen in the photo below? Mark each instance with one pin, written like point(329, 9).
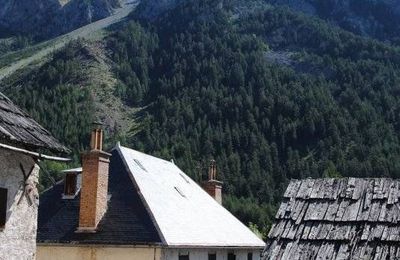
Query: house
point(337, 219)
point(22, 143)
point(129, 205)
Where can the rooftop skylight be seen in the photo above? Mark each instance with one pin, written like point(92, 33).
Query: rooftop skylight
point(140, 165)
point(180, 192)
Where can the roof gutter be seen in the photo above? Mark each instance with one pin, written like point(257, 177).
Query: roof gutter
point(34, 154)
point(102, 245)
point(205, 246)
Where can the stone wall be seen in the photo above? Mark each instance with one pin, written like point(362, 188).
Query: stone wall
point(18, 238)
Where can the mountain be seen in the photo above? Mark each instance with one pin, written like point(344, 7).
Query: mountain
point(375, 18)
point(378, 19)
point(52, 17)
point(270, 93)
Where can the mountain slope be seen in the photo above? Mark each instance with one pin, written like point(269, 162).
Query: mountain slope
point(54, 17)
point(38, 53)
point(72, 90)
point(373, 18)
point(271, 94)
point(214, 95)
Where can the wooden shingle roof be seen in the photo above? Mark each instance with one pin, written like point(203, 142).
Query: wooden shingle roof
point(337, 219)
point(19, 129)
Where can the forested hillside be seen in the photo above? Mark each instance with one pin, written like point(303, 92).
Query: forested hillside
point(271, 95)
point(45, 19)
point(371, 18)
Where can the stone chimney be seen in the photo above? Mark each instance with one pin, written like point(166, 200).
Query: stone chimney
point(94, 190)
point(212, 186)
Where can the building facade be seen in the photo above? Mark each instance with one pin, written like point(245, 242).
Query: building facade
point(94, 252)
point(18, 230)
point(20, 139)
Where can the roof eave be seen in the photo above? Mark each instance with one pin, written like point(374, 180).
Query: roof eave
point(34, 154)
point(97, 244)
point(261, 247)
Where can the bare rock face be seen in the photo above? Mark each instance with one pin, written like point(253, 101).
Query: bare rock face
point(52, 17)
point(77, 13)
point(21, 15)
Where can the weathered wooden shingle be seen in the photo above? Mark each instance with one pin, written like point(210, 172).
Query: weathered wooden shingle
point(348, 218)
point(19, 129)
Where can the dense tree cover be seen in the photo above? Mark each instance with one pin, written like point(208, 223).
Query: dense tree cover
point(372, 18)
point(12, 42)
point(211, 94)
point(208, 91)
point(368, 18)
point(54, 97)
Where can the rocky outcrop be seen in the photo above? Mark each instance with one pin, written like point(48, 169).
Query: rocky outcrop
point(52, 17)
point(77, 13)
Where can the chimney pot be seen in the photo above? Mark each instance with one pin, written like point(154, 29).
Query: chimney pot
point(96, 140)
point(213, 187)
point(212, 171)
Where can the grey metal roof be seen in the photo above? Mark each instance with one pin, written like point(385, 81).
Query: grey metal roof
point(19, 129)
point(337, 219)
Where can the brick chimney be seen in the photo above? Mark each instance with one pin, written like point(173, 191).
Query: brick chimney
point(212, 186)
point(94, 190)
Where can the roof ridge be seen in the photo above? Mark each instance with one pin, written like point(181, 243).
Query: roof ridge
point(145, 154)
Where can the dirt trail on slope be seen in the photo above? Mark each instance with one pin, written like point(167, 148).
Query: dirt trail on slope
point(87, 32)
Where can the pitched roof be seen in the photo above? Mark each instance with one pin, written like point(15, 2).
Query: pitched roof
point(18, 128)
point(184, 214)
point(125, 222)
point(152, 201)
point(337, 219)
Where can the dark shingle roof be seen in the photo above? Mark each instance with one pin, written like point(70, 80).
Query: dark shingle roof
point(126, 221)
point(337, 219)
point(18, 128)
